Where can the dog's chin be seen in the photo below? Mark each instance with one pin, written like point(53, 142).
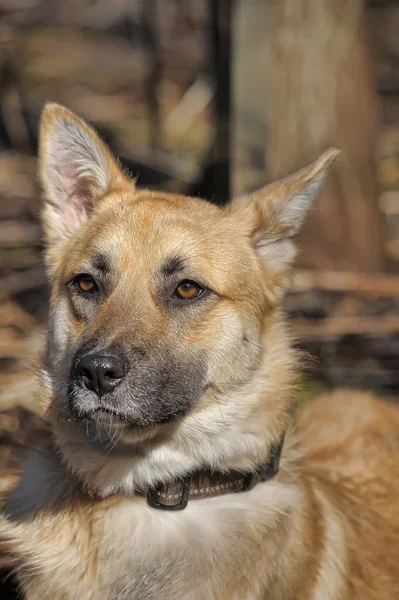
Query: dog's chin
point(102, 413)
point(106, 416)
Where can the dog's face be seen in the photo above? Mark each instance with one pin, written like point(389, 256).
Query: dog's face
point(158, 300)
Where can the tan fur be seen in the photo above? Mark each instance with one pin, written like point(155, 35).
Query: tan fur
point(326, 527)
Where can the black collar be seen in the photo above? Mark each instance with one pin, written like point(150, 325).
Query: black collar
point(208, 484)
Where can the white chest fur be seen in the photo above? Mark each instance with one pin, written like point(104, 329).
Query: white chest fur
point(203, 552)
point(120, 548)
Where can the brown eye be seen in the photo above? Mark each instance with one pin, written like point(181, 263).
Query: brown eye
point(188, 290)
point(85, 283)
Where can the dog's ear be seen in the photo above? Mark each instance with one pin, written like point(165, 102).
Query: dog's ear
point(76, 171)
point(275, 213)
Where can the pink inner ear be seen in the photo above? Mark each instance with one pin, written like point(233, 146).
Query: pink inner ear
point(75, 203)
point(72, 216)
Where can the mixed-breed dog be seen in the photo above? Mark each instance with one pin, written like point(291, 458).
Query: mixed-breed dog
point(174, 466)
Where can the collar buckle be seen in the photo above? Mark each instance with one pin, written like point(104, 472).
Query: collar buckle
point(153, 494)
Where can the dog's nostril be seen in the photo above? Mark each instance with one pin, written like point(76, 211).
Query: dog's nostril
point(111, 375)
point(86, 373)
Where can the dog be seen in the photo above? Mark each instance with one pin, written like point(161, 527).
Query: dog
point(174, 465)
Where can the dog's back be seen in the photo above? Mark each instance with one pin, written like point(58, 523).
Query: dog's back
point(351, 444)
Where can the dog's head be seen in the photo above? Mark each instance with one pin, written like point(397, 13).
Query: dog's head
point(159, 301)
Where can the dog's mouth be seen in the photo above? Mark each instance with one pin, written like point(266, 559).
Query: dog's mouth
point(108, 415)
point(129, 413)
point(104, 414)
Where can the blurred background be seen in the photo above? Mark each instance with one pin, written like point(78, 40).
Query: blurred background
point(214, 98)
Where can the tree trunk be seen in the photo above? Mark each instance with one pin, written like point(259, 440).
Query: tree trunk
point(321, 92)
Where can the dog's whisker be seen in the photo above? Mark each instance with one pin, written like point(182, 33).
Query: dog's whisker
point(200, 425)
point(220, 408)
point(108, 453)
point(111, 437)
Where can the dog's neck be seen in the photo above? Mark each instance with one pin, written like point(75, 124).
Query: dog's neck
point(234, 433)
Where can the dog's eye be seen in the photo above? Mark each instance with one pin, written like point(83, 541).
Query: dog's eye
point(187, 290)
point(85, 283)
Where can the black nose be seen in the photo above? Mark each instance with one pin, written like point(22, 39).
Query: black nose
point(101, 373)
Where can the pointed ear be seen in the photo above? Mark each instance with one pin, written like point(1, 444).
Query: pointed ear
point(76, 171)
point(276, 212)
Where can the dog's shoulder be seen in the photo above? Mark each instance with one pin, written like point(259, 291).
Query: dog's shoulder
point(41, 482)
point(45, 527)
point(351, 450)
point(351, 433)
